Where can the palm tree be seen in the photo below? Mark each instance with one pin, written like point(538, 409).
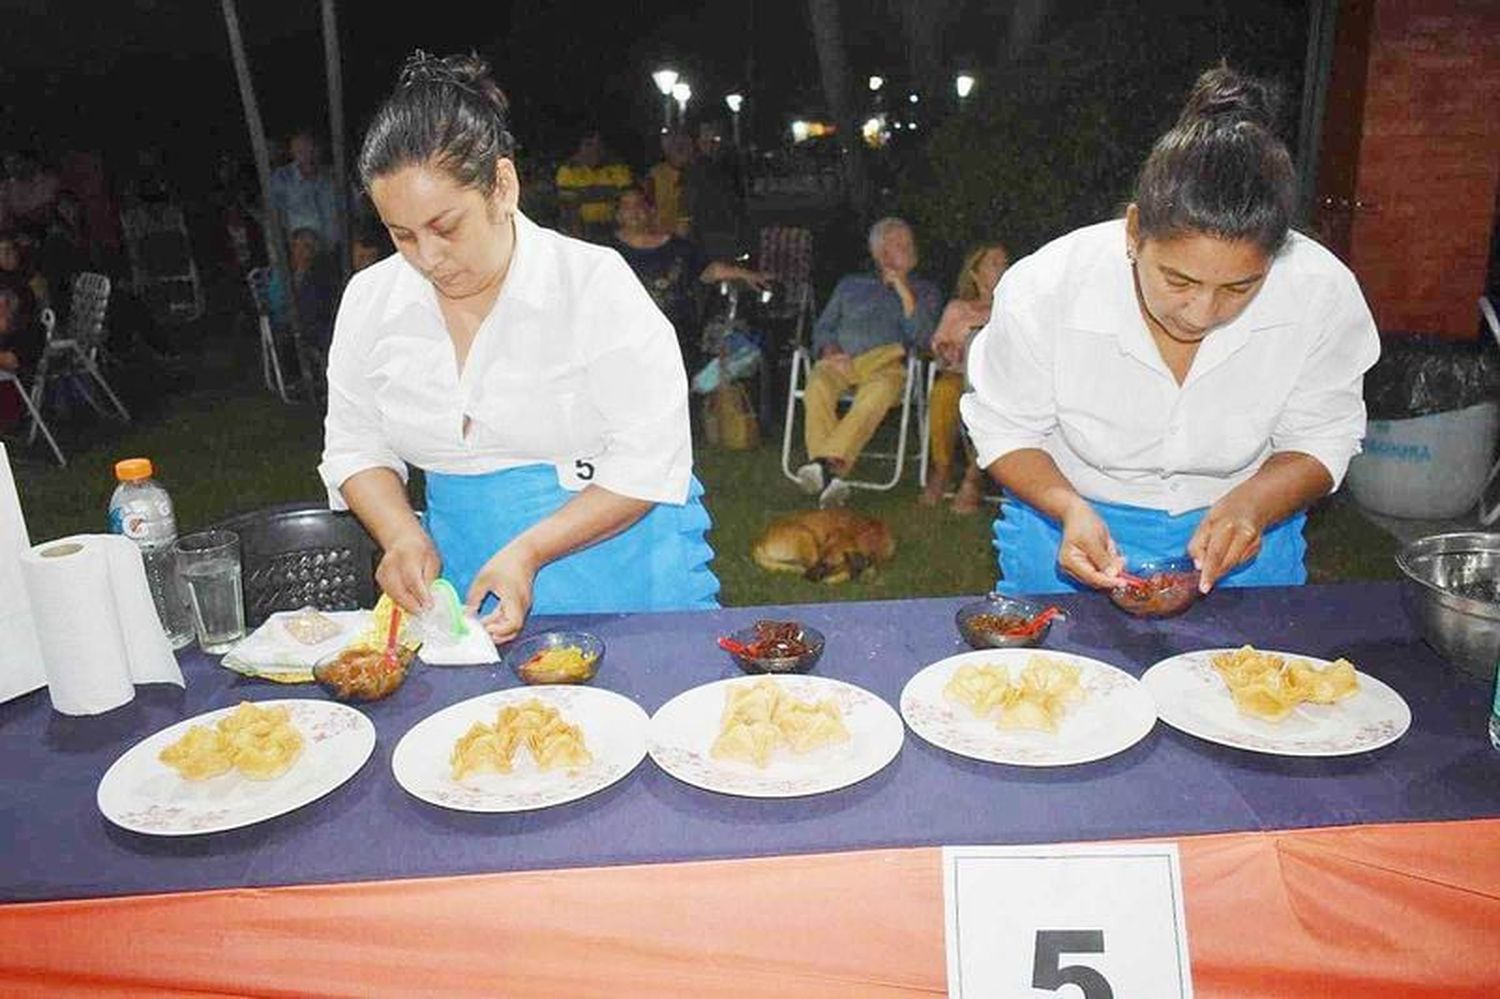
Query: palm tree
point(833, 67)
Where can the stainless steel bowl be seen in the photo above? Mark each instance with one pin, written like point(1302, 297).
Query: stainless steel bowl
point(1452, 589)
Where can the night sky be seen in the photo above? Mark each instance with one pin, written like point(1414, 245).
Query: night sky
point(116, 75)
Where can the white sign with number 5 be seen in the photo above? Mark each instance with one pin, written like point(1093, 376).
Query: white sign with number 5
point(1065, 922)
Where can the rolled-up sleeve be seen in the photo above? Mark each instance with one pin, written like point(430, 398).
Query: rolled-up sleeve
point(826, 328)
point(1324, 415)
point(1013, 404)
point(917, 328)
point(640, 387)
point(352, 436)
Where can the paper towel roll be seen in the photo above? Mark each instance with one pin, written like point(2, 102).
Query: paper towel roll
point(95, 622)
point(21, 662)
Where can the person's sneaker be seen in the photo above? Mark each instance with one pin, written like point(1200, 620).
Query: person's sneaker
point(810, 478)
point(836, 494)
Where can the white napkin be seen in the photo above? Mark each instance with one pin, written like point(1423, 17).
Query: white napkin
point(95, 622)
point(473, 648)
point(21, 669)
point(271, 653)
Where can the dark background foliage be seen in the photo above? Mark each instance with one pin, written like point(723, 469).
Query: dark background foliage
point(1053, 140)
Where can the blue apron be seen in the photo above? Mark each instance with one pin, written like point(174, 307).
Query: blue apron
point(658, 563)
point(1027, 541)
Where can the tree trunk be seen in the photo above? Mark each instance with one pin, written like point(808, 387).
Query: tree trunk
point(833, 66)
point(333, 63)
point(270, 222)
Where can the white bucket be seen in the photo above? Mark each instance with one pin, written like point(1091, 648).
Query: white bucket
point(1427, 467)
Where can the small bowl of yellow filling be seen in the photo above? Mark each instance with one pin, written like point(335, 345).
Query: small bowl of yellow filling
point(555, 657)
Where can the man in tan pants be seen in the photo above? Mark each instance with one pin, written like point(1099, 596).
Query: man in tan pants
point(860, 342)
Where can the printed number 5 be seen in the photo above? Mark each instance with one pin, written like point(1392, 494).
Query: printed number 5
point(585, 469)
point(1047, 973)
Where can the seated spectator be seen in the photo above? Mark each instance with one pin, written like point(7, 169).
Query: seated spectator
point(713, 197)
point(316, 287)
point(671, 268)
point(588, 185)
point(369, 245)
point(30, 192)
point(664, 183)
point(65, 252)
point(20, 344)
point(860, 342)
point(303, 195)
point(968, 312)
point(21, 279)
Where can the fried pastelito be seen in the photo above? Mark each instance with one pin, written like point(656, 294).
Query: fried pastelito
point(1268, 686)
point(1046, 689)
point(260, 743)
point(550, 739)
point(760, 717)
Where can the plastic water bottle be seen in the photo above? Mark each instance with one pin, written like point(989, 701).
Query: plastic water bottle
point(141, 510)
point(1495, 715)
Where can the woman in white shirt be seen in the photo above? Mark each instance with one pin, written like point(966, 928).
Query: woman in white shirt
point(1185, 380)
point(528, 374)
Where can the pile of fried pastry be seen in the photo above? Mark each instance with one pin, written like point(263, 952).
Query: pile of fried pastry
point(760, 717)
point(261, 743)
point(550, 739)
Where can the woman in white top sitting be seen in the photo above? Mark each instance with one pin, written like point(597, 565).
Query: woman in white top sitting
point(528, 374)
point(1187, 380)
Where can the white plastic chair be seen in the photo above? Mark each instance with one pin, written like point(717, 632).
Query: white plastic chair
point(912, 392)
point(37, 423)
point(77, 353)
point(163, 268)
point(259, 280)
point(1489, 496)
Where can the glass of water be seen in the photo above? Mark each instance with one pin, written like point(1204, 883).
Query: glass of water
point(208, 564)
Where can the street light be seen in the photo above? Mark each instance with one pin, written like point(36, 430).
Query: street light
point(682, 93)
point(876, 82)
point(913, 98)
point(735, 101)
point(963, 84)
point(665, 79)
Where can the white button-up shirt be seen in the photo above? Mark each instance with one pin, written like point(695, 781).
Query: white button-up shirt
point(574, 367)
point(1066, 364)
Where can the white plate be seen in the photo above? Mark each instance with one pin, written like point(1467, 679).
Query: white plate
point(144, 795)
point(1116, 714)
point(614, 730)
point(683, 729)
point(1193, 698)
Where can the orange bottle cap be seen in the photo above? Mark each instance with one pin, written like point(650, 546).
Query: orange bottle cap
point(133, 469)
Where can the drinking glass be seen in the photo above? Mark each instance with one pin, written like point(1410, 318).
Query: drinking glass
point(208, 563)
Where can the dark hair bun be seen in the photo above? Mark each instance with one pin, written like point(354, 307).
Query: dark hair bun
point(1223, 97)
point(447, 111)
point(1222, 169)
point(469, 73)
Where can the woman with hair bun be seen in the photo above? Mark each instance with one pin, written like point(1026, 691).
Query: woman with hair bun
point(528, 374)
point(1185, 380)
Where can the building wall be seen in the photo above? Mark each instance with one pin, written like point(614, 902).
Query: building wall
point(1429, 163)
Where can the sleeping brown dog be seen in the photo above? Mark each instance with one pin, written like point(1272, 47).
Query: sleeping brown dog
point(830, 546)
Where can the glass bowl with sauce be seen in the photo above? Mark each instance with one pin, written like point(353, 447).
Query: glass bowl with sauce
point(993, 623)
point(1168, 587)
point(555, 657)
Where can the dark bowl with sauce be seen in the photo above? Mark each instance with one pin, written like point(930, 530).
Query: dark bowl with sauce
point(984, 624)
point(809, 649)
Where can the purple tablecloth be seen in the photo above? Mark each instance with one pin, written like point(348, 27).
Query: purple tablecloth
point(54, 844)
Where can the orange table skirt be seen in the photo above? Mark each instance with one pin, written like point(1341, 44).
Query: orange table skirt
point(1369, 911)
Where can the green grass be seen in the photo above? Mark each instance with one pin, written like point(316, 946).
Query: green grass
point(222, 445)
